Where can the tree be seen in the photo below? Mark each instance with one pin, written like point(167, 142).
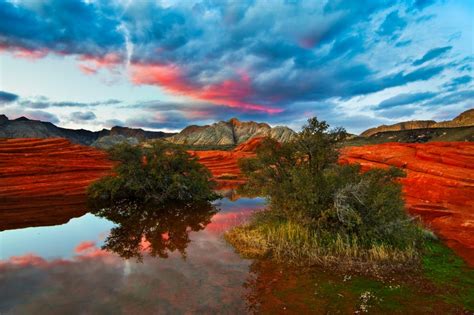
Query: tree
point(305, 185)
point(161, 173)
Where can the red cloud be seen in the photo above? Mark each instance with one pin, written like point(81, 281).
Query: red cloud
point(84, 246)
point(25, 53)
point(231, 93)
point(91, 64)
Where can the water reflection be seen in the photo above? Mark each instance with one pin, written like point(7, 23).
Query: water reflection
point(85, 279)
point(154, 229)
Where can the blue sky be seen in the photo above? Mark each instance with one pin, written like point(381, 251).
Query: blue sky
point(165, 64)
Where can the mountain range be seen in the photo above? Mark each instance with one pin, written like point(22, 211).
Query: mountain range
point(234, 132)
point(26, 128)
point(231, 132)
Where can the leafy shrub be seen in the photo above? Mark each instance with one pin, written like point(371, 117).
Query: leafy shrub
point(338, 205)
point(158, 174)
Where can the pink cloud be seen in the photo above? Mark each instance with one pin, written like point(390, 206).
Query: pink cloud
point(87, 69)
point(84, 246)
point(20, 52)
point(91, 64)
point(231, 93)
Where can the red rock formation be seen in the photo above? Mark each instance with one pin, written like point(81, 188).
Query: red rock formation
point(223, 164)
point(45, 173)
point(439, 186)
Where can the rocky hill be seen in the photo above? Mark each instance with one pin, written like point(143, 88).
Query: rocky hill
point(232, 132)
point(27, 128)
point(465, 119)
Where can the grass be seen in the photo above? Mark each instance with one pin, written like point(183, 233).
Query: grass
point(295, 244)
point(449, 272)
point(440, 279)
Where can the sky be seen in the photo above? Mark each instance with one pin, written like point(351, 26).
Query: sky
point(163, 65)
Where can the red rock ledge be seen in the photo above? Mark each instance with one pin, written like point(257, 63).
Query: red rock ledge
point(439, 186)
point(39, 174)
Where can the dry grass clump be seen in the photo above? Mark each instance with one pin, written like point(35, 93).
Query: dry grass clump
point(293, 243)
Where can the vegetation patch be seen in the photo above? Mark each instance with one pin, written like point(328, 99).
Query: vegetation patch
point(450, 273)
point(158, 174)
point(320, 212)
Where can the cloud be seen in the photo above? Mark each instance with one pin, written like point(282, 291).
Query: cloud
point(465, 96)
point(6, 97)
point(422, 4)
point(432, 54)
point(405, 99)
point(64, 27)
point(42, 102)
point(82, 116)
point(392, 24)
point(245, 59)
point(457, 82)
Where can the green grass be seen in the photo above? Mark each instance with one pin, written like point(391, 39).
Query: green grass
point(449, 272)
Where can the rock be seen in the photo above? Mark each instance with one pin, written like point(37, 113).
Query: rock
point(27, 128)
point(109, 141)
point(232, 132)
point(43, 181)
point(439, 186)
point(138, 133)
point(407, 125)
point(223, 164)
point(3, 119)
point(464, 119)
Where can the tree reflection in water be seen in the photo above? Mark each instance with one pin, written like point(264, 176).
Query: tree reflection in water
point(153, 229)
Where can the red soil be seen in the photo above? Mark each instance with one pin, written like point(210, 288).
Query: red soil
point(45, 173)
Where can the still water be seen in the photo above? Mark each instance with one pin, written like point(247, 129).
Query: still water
point(175, 261)
point(171, 264)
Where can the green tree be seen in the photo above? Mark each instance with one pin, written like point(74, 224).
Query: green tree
point(158, 174)
point(305, 185)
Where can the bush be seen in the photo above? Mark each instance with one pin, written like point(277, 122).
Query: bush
point(159, 174)
point(337, 208)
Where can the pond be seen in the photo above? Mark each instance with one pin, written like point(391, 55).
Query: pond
point(135, 261)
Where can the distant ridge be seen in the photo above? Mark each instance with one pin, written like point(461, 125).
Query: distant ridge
point(231, 132)
point(26, 128)
point(465, 119)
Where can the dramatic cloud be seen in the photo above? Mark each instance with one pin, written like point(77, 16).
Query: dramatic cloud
point(6, 97)
point(219, 59)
